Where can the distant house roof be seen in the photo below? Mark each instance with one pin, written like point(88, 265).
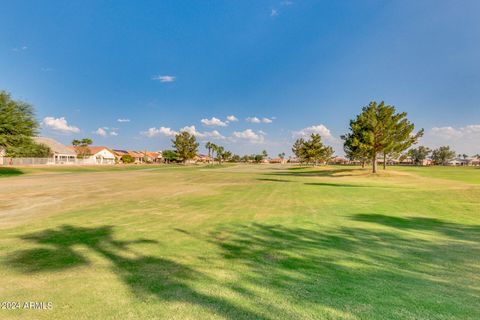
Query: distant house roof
point(119, 152)
point(55, 146)
point(136, 154)
point(154, 155)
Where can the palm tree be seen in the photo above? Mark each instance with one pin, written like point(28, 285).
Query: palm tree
point(220, 150)
point(209, 146)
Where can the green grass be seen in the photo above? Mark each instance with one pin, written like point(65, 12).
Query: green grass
point(241, 242)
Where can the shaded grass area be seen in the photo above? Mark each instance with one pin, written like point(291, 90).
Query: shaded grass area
point(254, 242)
point(9, 172)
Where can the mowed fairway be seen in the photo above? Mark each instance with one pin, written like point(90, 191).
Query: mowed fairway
point(241, 242)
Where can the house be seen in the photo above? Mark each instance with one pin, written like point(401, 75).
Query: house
point(475, 162)
point(278, 160)
point(339, 160)
point(137, 156)
point(119, 154)
point(98, 155)
point(458, 162)
point(61, 154)
point(154, 157)
point(202, 158)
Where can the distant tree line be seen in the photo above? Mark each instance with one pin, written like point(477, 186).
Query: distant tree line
point(379, 131)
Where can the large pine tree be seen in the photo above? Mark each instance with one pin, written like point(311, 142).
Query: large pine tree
point(378, 129)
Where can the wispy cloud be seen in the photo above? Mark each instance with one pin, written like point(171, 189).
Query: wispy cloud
point(123, 120)
point(258, 120)
point(59, 124)
point(462, 139)
point(214, 122)
point(164, 78)
point(253, 120)
point(274, 12)
point(203, 135)
point(249, 135)
point(22, 48)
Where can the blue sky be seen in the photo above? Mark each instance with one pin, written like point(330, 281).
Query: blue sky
point(295, 66)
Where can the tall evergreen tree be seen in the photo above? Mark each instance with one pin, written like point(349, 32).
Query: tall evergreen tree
point(186, 146)
point(312, 150)
point(379, 130)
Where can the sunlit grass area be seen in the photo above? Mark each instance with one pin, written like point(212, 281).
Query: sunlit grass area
point(241, 242)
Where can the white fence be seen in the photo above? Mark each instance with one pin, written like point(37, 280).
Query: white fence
point(6, 161)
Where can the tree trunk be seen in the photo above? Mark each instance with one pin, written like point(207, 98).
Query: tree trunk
point(384, 161)
point(363, 164)
point(374, 164)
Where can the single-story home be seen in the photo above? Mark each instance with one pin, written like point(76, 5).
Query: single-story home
point(61, 154)
point(137, 156)
point(119, 154)
point(278, 160)
point(155, 157)
point(202, 158)
point(98, 155)
point(458, 162)
point(339, 160)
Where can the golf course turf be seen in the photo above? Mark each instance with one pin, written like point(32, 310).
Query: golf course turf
point(241, 242)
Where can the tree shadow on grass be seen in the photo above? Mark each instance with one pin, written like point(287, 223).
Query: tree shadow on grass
point(371, 272)
point(273, 180)
point(314, 172)
point(146, 276)
point(454, 230)
point(10, 172)
point(367, 272)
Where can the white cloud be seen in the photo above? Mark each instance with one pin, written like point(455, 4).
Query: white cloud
point(106, 131)
point(101, 132)
point(153, 132)
point(461, 139)
point(203, 135)
point(249, 135)
point(322, 130)
point(214, 122)
point(164, 78)
point(232, 118)
point(59, 124)
point(253, 120)
point(123, 120)
point(258, 120)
